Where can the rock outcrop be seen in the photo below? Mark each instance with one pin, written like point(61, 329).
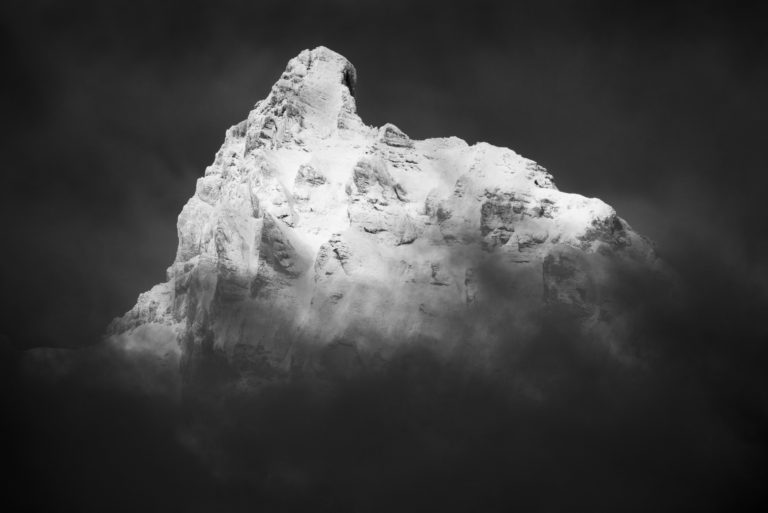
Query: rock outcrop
point(316, 245)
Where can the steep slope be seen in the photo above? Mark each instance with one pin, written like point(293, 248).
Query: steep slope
point(317, 245)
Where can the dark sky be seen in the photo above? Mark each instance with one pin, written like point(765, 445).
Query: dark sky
point(111, 110)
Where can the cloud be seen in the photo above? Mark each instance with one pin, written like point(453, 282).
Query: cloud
point(561, 423)
point(114, 114)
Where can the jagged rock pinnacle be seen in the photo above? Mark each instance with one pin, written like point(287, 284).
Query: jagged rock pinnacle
point(315, 94)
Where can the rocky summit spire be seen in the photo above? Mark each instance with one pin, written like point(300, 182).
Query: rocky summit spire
point(315, 245)
point(314, 97)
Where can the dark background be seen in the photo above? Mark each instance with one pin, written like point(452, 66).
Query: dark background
point(111, 110)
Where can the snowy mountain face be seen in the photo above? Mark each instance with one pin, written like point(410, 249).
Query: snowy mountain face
point(316, 245)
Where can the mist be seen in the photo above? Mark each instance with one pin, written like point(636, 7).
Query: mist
point(113, 111)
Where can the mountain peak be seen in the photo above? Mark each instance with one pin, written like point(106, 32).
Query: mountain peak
point(315, 94)
point(317, 246)
point(336, 64)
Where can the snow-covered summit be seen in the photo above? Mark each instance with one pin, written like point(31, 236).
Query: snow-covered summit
point(316, 244)
point(314, 98)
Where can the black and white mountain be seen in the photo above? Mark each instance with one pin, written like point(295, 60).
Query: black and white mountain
point(317, 245)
